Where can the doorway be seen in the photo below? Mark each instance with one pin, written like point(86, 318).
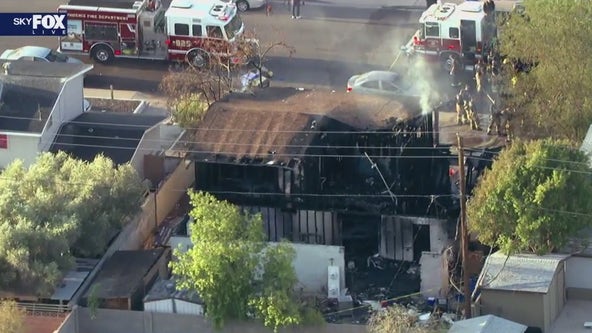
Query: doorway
point(468, 36)
point(421, 236)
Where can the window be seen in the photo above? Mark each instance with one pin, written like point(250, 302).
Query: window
point(196, 30)
point(432, 30)
point(54, 56)
point(181, 29)
point(453, 33)
point(233, 27)
point(215, 32)
point(3, 141)
point(389, 86)
point(370, 84)
point(104, 32)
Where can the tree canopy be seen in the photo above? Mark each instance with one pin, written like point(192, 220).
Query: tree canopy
point(56, 209)
point(535, 196)
point(553, 98)
point(233, 269)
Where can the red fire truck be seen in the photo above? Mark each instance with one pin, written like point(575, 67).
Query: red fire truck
point(184, 31)
point(457, 30)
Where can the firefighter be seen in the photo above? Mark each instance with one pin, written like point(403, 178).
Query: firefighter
point(472, 114)
point(479, 76)
point(495, 119)
point(469, 106)
point(461, 116)
point(489, 7)
point(507, 116)
point(455, 70)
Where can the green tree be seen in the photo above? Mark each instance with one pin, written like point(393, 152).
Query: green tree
point(189, 110)
point(232, 268)
point(11, 317)
point(56, 209)
point(553, 99)
point(397, 319)
point(535, 196)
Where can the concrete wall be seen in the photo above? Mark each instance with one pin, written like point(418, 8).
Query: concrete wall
point(154, 141)
point(554, 300)
point(434, 274)
point(69, 324)
point(134, 234)
point(578, 273)
point(117, 321)
point(20, 146)
point(69, 105)
point(524, 308)
point(310, 264)
point(578, 283)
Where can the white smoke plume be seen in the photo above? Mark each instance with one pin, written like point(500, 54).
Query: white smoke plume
point(423, 80)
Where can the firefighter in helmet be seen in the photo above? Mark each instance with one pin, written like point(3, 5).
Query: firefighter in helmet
point(495, 118)
point(508, 117)
point(479, 75)
point(470, 108)
point(461, 116)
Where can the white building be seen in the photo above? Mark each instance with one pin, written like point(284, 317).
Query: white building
point(36, 99)
point(165, 298)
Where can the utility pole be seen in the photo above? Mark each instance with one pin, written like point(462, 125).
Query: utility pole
point(463, 227)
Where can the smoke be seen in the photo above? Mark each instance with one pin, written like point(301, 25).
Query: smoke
point(423, 83)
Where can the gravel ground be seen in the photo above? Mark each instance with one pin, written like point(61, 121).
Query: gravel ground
point(113, 105)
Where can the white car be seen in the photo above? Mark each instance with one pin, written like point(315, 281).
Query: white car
point(244, 5)
point(378, 83)
point(37, 53)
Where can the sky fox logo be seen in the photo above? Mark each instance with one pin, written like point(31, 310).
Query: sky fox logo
point(43, 24)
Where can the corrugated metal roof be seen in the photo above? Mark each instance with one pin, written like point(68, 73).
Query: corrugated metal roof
point(522, 272)
point(166, 289)
point(487, 324)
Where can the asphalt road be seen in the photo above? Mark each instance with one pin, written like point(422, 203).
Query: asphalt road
point(333, 40)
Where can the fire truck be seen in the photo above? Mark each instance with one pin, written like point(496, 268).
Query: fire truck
point(452, 31)
point(184, 31)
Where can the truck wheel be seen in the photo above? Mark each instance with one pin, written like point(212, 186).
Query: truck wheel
point(197, 59)
point(102, 54)
point(242, 5)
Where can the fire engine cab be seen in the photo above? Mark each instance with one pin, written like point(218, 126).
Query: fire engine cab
point(185, 31)
point(457, 30)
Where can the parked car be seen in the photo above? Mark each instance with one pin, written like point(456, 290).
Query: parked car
point(37, 53)
point(244, 5)
point(379, 83)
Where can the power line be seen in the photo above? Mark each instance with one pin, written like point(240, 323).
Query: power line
point(304, 155)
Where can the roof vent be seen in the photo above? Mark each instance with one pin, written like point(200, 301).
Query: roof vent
point(170, 287)
point(7, 66)
point(217, 10)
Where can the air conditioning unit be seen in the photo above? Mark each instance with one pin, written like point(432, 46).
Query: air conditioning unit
point(333, 278)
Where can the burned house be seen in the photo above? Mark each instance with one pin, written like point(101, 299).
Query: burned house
point(327, 168)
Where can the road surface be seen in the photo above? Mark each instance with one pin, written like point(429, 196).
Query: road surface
point(334, 40)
